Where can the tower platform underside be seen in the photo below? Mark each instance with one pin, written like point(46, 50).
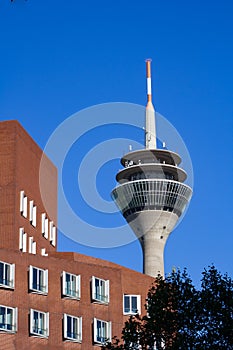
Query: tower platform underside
point(152, 194)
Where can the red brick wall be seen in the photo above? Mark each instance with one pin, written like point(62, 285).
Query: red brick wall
point(20, 159)
point(122, 281)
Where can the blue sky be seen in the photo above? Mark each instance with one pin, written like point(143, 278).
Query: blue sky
point(59, 57)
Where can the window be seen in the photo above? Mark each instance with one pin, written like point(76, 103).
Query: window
point(38, 280)
point(71, 285)
point(22, 240)
point(43, 252)
point(100, 290)
point(39, 323)
point(132, 304)
point(52, 233)
point(8, 319)
point(44, 226)
point(32, 217)
point(102, 331)
point(23, 204)
point(73, 328)
point(32, 246)
point(7, 275)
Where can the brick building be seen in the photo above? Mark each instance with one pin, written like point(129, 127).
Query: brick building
point(49, 299)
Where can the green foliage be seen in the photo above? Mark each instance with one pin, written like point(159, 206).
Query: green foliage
point(216, 311)
point(181, 317)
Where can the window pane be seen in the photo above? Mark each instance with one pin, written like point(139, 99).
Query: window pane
point(104, 331)
point(75, 328)
point(67, 282)
point(41, 280)
point(102, 291)
point(1, 273)
point(98, 325)
point(97, 288)
point(9, 319)
point(35, 322)
point(134, 304)
point(34, 278)
point(69, 327)
point(2, 317)
point(73, 285)
point(127, 303)
point(7, 275)
point(41, 324)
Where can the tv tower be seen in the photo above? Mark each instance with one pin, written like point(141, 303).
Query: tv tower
point(151, 194)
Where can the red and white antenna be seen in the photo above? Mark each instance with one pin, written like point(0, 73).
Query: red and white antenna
point(148, 80)
point(150, 133)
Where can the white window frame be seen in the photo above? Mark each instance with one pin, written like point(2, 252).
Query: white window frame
point(23, 204)
point(73, 294)
point(32, 213)
point(131, 311)
point(32, 246)
point(43, 218)
point(13, 324)
point(41, 289)
point(22, 240)
point(102, 296)
point(67, 336)
point(43, 252)
point(42, 328)
point(8, 281)
point(45, 225)
point(103, 333)
point(52, 233)
point(30, 242)
point(46, 234)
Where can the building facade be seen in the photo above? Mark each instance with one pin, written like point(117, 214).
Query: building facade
point(48, 299)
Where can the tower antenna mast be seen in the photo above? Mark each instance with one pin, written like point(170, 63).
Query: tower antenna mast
point(150, 130)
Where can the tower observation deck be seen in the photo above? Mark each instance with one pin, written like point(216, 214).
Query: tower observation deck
point(151, 193)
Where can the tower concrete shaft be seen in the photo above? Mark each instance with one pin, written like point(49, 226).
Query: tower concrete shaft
point(151, 194)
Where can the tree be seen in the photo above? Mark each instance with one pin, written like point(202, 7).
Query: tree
point(181, 317)
point(216, 317)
